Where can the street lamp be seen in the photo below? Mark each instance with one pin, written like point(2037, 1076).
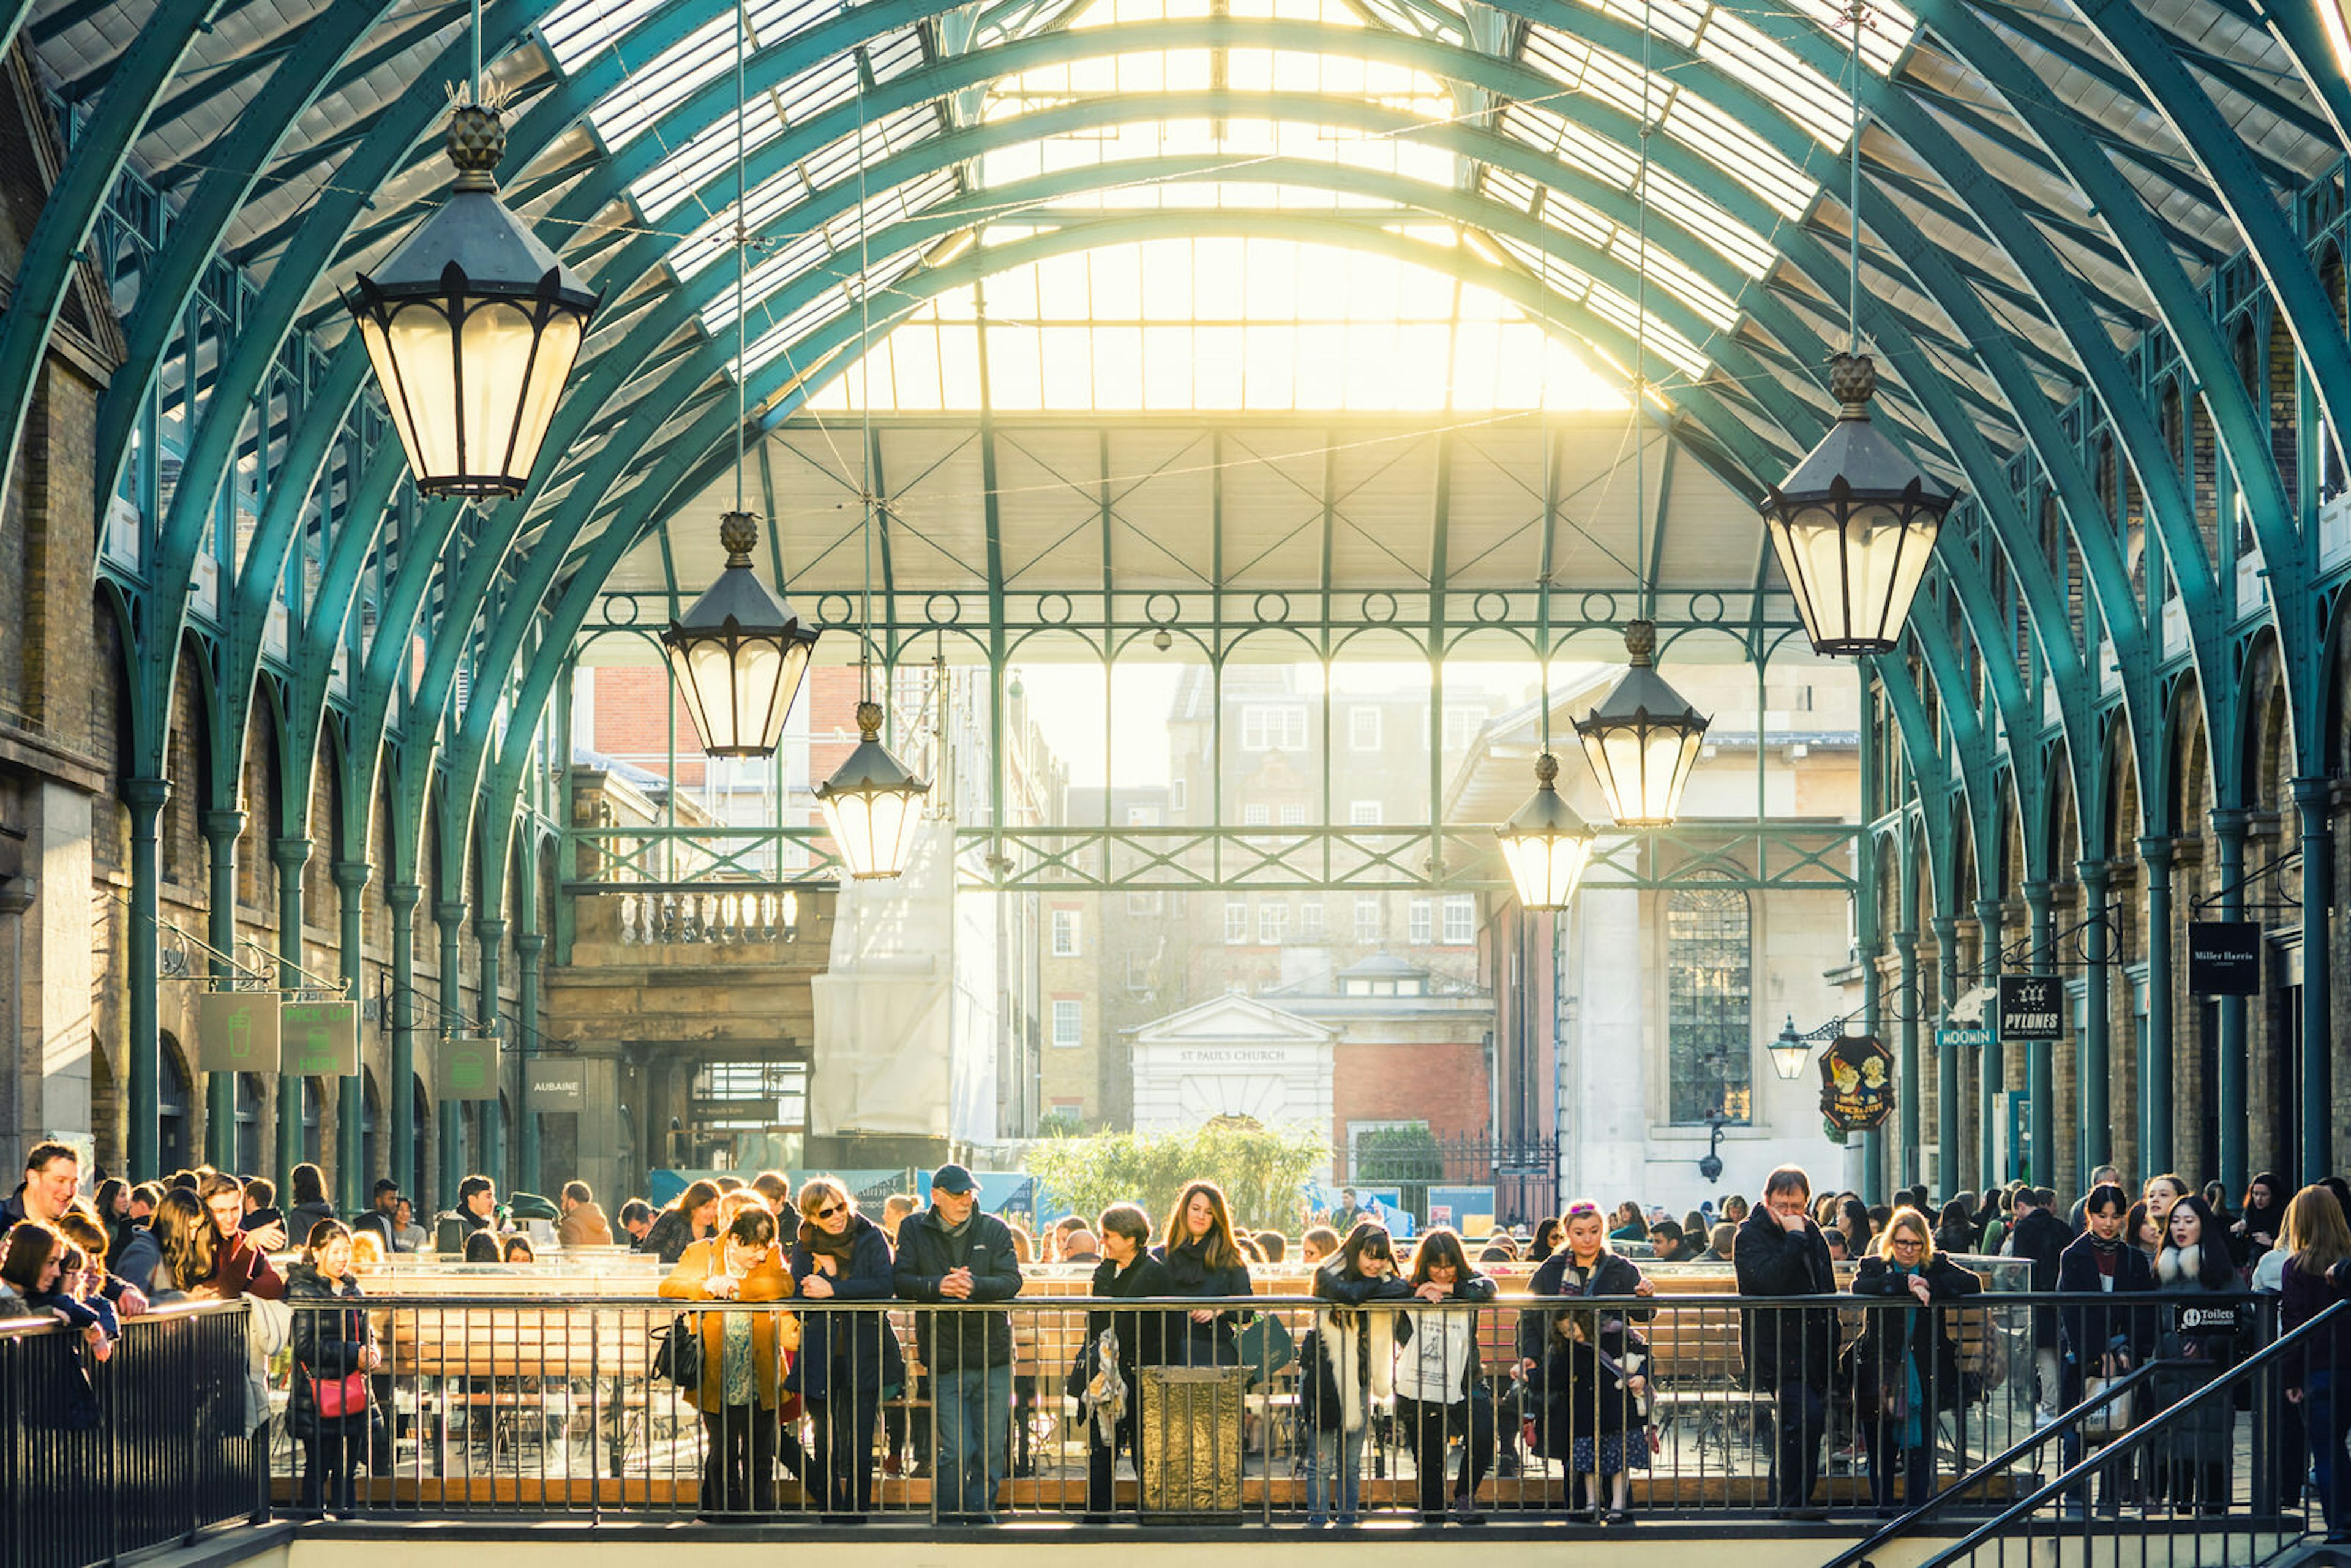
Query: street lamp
point(873, 804)
point(472, 327)
point(1546, 845)
point(1644, 739)
point(1789, 1051)
point(739, 652)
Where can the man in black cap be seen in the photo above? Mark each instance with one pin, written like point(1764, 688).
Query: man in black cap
point(953, 1253)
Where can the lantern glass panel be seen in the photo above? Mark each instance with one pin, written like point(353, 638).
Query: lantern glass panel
point(550, 369)
point(1546, 868)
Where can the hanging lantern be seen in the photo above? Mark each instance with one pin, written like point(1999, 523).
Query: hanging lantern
point(738, 655)
point(873, 804)
point(1546, 845)
point(473, 327)
point(1854, 523)
point(1787, 1052)
point(1644, 739)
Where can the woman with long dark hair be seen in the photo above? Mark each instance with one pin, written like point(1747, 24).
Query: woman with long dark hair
point(2196, 1344)
point(2257, 1229)
point(692, 1217)
point(1440, 1389)
point(1348, 1367)
point(327, 1411)
point(1548, 1235)
point(1202, 1258)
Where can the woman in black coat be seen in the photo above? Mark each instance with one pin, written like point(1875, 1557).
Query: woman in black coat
point(1127, 1271)
point(1347, 1366)
point(1591, 1386)
point(1202, 1259)
point(2196, 1342)
point(331, 1342)
point(1907, 1362)
point(2102, 1340)
point(847, 1357)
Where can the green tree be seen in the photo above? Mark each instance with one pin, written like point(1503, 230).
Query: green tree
point(1404, 1157)
point(1261, 1170)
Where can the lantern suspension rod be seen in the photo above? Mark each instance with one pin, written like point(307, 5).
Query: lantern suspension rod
point(1640, 339)
point(1852, 199)
point(864, 411)
point(477, 51)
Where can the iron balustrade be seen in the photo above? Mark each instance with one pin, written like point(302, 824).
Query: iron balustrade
point(147, 1449)
point(527, 1406)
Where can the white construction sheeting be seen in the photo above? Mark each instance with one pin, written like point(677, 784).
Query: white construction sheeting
point(883, 1034)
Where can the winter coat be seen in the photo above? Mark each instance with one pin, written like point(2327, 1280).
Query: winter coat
point(1613, 1276)
point(1142, 1337)
point(2040, 1239)
point(958, 1341)
point(244, 1269)
point(1430, 1338)
point(302, 1217)
point(329, 1343)
point(2302, 1296)
point(2091, 1333)
point(671, 1234)
point(1211, 1344)
point(1350, 1351)
point(585, 1225)
point(1786, 1345)
point(773, 1334)
point(136, 1258)
point(1929, 1338)
point(855, 1347)
point(2192, 1349)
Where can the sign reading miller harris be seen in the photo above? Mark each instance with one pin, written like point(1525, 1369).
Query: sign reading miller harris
point(2032, 1007)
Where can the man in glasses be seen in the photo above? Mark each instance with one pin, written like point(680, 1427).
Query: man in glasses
point(1789, 1350)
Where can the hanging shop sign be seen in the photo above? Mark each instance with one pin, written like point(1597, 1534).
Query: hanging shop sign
point(318, 1038)
point(469, 1068)
point(1856, 1083)
point(2032, 1007)
point(236, 1031)
point(1958, 1039)
point(2224, 957)
point(554, 1085)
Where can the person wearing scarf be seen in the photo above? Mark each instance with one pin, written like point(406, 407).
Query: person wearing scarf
point(848, 1355)
point(2257, 1231)
point(2199, 1342)
point(1908, 1363)
point(1202, 1259)
point(2101, 1342)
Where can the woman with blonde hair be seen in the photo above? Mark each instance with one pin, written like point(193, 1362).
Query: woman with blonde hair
point(2317, 1373)
point(1907, 1361)
point(847, 1356)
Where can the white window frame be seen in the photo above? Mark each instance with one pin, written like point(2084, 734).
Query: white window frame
point(1460, 929)
point(1461, 726)
point(1363, 736)
point(1273, 726)
point(1175, 793)
point(1272, 922)
point(1257, 814)
point(1371, 916)
point(1069, 1025)
point(1366, 814)
point(1293, 815)
point(1066, 933)
point(1310, 921)
point(1420, 923)
point(1236, 922)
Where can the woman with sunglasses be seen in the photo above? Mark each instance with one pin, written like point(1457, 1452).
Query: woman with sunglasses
point(1440, 1392)
point(1907, 1362)
point(848, 1355)
point(1586, 1366)
point(1351, 1352)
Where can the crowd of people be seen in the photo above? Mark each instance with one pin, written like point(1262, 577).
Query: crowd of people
point(807, 1387)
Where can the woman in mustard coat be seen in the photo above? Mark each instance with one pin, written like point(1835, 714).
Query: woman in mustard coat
point(744, 1355)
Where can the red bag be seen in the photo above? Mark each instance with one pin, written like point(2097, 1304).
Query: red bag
point(338, 1399)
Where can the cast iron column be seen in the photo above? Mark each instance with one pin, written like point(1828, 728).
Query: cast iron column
point(2039, 1055)
point(221, 831)
point(2229, 830)
point(1906, 948)
point(2097, 950)
point(399, 1095)
point(2318, 1021)
point(352, 1177)
point(1993, 1075)
point(492, 936)
point(290, 856)
point(450, 915)
point(2155, 1062)
point(529, 946)
point(146, 797)
point(1947, 1063)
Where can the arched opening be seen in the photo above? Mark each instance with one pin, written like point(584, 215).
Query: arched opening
point(248, 1113)
point(2284, 390)
point(173, 1110)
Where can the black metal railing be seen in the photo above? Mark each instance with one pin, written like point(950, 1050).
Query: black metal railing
point(149, 1447)
point(529, 1406)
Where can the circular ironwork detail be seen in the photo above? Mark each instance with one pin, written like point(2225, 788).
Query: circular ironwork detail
point(1055, 609)
point(835, 609)
point(953, 612)
point(1605, 614)
point(1279, 611)
point(1492, 608)
point(1379, 609)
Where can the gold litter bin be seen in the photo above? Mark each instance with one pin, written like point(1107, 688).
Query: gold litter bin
point(1191, 1435)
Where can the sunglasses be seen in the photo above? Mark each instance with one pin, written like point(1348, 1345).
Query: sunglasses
point(830, 1209)
point(1577, 1210)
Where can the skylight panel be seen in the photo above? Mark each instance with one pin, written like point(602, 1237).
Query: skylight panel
point(771, 199)
point(1821, 109)
point(1663, 341)
point(698, 162)
point(805, 251)
point(1603, 160)
point(650, 90)
point(831, 304)
point(575, 29)
point(1684, 283)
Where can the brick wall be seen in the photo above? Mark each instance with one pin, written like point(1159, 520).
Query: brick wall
point(1426, 1078)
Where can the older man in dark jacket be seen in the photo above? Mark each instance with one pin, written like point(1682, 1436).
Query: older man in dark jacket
point(1789, 1350)
point(953, 1253)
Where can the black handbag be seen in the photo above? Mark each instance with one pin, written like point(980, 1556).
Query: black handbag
point(678, 1353)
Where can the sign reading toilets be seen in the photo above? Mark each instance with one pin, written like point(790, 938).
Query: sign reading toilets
point(236, 1031)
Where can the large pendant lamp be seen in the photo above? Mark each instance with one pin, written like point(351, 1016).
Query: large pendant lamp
point(1854, 523)
point(740, 654)
point(472, 325)
point(1546, 844)
point(873, 802)
point(1644, 739)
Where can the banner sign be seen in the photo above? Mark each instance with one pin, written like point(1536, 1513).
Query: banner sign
point(236, 1031)
point(2224, 957)
point(557, 1085)
point(469, 1069)
point(1469, 1210)
point(1956, 1039)
point(2032, 1007)
point(318, 1038)
point(1856, 1083)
